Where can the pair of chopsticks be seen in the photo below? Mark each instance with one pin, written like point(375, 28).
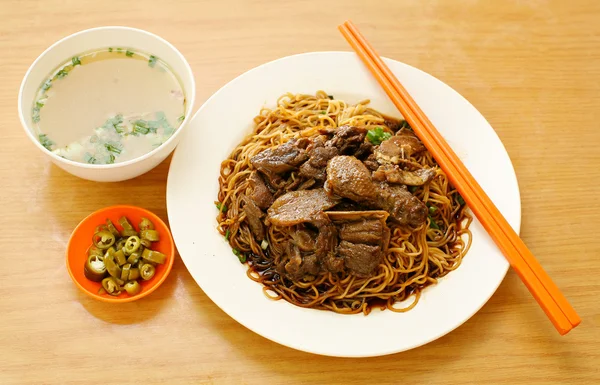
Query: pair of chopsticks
point(547, 294)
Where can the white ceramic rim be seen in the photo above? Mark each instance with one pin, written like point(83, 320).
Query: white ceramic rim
point(299, 346)
point(190, 99)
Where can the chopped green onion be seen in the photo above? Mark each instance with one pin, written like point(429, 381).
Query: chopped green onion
point(162, 119)
point(110, 49)
point(160, 116)
point(152, 61)
point(227, 233)
point(76, 61)
point(114, 123)
point(412, 189)
point(181, 118)
point(111, 159)
point(330, 97)
point(61, 74)
point(460, 200)
point(432, 224)
point(141, 127)
point(128, 53)
point(44, 141)
point(323, 112)
point(47, 85)
point(377, 135)
point(119, 50)
point(221, 206)
point(153, 125)
point(39, 104)
point(35, 118)
point(112, 148)
point(240, 256)
point(432, 210)
point(264, 244)
point(89, 158)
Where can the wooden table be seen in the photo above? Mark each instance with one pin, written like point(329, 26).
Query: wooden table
point(531, 67)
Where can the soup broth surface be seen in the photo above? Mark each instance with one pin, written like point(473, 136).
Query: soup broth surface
point(108, 106)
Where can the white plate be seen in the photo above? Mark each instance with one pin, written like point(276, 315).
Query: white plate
point(226, 118)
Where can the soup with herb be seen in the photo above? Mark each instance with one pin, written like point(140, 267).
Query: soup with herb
point(108, 106)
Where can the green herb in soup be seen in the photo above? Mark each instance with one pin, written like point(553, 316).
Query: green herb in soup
point(104, 107)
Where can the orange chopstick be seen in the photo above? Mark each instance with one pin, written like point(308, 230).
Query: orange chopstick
point(554, 304)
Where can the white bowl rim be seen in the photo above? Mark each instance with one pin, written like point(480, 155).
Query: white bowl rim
point(190, 99)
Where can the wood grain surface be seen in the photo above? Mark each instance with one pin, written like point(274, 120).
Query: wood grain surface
point(532, 67)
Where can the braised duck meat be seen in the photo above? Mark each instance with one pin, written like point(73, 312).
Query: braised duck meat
point(400, 146)
point(286, 157)
point(299, 266)
point(319, 155)
point(300, 206)
point(360, 258)
point(363, 236)
point(404, 208)
point(394, 174)
point(254, 217)
point(260, 192)
point(347, 139)
point(348, 177)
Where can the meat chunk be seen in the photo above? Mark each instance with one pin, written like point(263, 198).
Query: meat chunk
point(349, 178)
point(253, 217)
point(394, 124)
point(299, 266)
point(364, 237)
point(394, 174)
point(326, 240)
point(301, 206)
point(364, 150)
point(404, 208)
point(347, 139)
point(315, 166)
point(260, 192)
point(283, 158)
point(400, 146)
point(333, 263)
point(304, 239)
point(360, 258)
point(364, 231)
point(371, 162)
point(348, 205)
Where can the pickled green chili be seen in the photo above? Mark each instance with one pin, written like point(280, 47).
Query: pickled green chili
point(147, 271)
point(119, 259)
point(94, 268)
point(145, 224)
point(128, 229)
point(111, 227)
point(133, 287)
point(111, 286)
point(154, 256)
point(150, 235)
point(125, 272)
point(103, 239)
point(132, 244)
point(93, 250)
point(111, 266)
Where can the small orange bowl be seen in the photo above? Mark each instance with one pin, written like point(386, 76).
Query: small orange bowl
point(81, 240)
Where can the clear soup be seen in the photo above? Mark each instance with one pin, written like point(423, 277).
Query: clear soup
point(108, 106)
